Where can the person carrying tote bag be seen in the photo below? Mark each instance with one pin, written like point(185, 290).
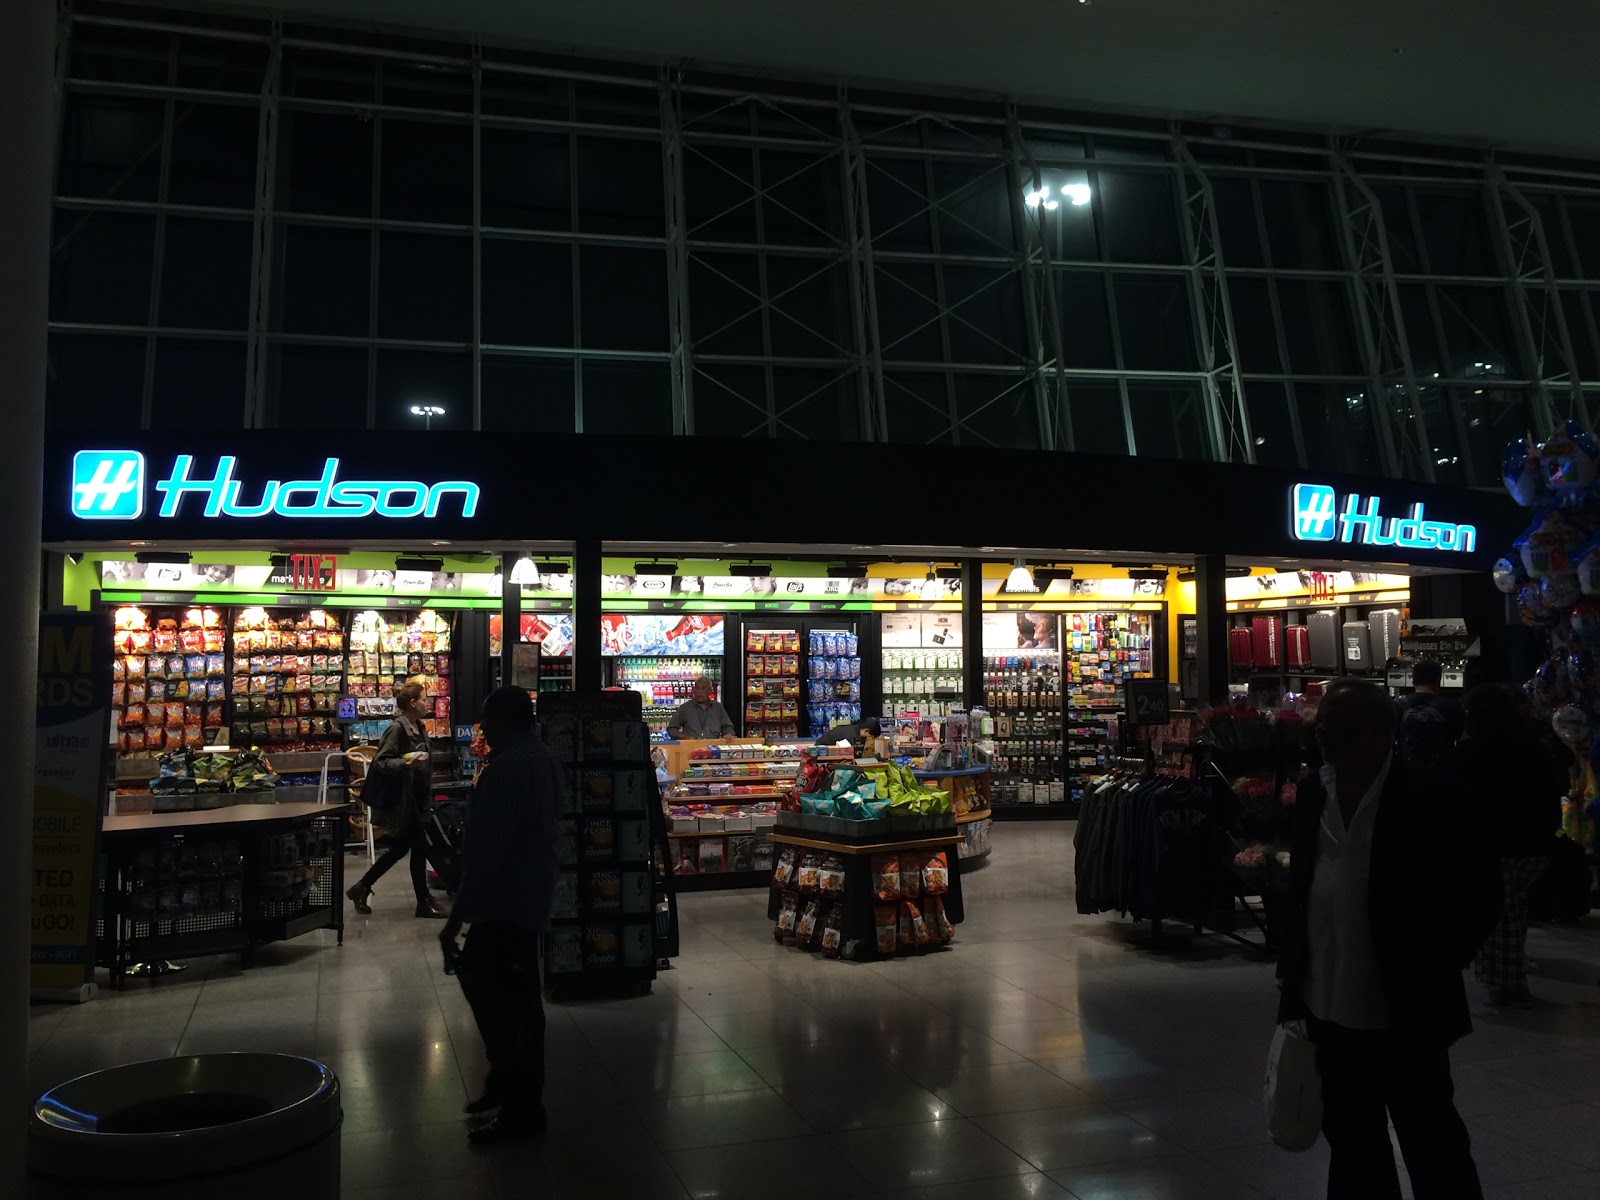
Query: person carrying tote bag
point(396, 791)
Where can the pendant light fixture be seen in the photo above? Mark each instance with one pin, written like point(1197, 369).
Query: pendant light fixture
point(1020, 579)
point(932, 588)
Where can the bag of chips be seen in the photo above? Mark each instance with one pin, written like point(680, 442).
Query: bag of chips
point(910, 876)
point(919, 926)
point(886, 876)
point(936, 874)
point(906, 937)
point(806, 930)
point(883, 920)
point(830, 880)
point(832, 927)
point(784, 871)
point(810, 871)
point(788, 913)
point(939, 920)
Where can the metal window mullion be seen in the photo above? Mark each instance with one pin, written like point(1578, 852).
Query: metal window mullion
point(1591, 326)
point(1033, 327)
point(765, 307)
point(477, 237)
point(373, 291)
point(262, 238)
point(1061, 416)
point(1098, 216)
point(577, 265)
point(677, 224)
point(941, 296)
point(1279, 333)
point(158, 249)
point(1378, 407)
point(1229, 430)
point(863, 292)
point(1436, 318)
point(1499, 188)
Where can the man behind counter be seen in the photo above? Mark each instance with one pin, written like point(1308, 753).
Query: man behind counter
point(701, 717)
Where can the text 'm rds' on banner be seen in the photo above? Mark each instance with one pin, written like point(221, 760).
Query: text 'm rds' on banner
point(1316, 515)
point(73, 709)
point(114, 485)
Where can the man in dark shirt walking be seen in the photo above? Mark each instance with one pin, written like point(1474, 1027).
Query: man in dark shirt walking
point(507, 884)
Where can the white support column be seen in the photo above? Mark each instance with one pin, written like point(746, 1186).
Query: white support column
point(27, 136)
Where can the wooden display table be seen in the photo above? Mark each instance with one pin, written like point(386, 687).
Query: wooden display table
point(857, 932)
point(218, 881)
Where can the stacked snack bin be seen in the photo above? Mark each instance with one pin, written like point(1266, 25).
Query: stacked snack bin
point(772, 683)
point(1100, 651)
point(833, 680)
point(721, 809)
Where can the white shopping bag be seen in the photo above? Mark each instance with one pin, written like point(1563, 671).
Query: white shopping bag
point(1293, 1093)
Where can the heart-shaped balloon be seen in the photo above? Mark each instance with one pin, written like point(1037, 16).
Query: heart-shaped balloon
point(1523, 475)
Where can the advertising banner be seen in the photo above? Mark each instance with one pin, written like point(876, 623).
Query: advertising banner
point(661, 633)
point(68, 793)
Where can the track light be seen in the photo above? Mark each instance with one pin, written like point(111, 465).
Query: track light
point(932, 588)
point(655, 568)
point(751, 570)
point(417, 562)
point(174, 557)
point(1020, 579)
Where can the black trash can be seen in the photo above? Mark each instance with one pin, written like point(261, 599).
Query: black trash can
point(237, 1126)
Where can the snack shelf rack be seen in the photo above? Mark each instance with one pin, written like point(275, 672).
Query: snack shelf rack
point(858, 899)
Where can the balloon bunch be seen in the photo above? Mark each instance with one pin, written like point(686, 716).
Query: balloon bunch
point(1554, 575)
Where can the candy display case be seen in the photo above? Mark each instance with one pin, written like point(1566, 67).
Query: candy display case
point(169, 682)
point(721, 809)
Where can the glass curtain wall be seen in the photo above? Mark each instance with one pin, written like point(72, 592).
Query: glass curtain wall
point(293, 228)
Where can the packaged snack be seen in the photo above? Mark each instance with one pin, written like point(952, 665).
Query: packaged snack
point(806, 930)
point(936, 874)
point(755, 641)
point(788, 913)
point(784, 871)
point(886, 876)
point(134, 739)
point(919, 926)
point(816, 641)
point(137, 667)
point(752, 714)
point(830, 879)
point(830, 642)
point(119, 668)
point(214, 689)
point(810, 871)
point(939, 924)
point(832, 925)
point(910, 876)
point(178, 689)
point(213, 716)
point(791, 641)
point(194, 666)
point(133, 715)
point(883, 920)
point(907, 937)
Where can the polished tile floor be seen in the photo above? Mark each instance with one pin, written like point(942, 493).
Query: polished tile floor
point(1044, 1055)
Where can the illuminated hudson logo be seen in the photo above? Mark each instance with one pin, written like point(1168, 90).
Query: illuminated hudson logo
point(108, 485)
point(105, 486)
point(1315, 515)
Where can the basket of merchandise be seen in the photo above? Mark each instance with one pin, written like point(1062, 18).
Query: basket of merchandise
point(863, 801)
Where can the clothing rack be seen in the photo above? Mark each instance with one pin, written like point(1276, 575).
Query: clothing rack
point(1145, 848)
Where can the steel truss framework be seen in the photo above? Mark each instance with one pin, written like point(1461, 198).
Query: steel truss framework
point(839, 267)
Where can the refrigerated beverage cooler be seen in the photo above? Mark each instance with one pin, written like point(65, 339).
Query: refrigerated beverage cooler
point(801, 678)
point(660, 655)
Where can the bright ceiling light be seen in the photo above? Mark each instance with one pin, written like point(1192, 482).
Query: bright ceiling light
point(427, 410)
point(525, 572)
point(1078, 193)
point(1020, 579)
point(1034, 197)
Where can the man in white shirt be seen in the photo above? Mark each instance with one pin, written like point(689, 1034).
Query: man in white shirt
point(1392, 889)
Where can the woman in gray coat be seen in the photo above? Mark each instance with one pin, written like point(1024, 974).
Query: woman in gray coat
point(396, 793)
